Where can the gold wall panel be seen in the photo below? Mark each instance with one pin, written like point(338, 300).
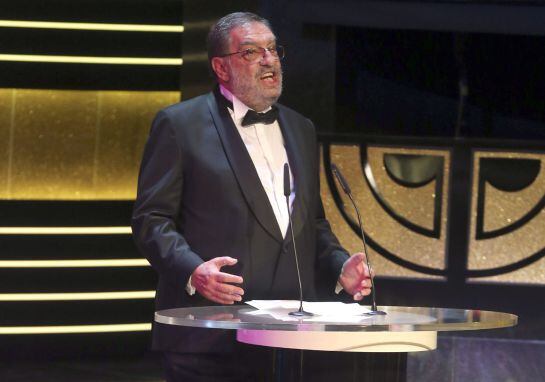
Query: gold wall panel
point(6, 99)
point(53, 144)
point(74, 145)
point(502, 208)
point(125, 120)
point(415, 204)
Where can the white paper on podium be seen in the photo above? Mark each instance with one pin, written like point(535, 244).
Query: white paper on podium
point(323, 311)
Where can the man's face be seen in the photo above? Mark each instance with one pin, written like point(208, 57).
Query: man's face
point(258, 84)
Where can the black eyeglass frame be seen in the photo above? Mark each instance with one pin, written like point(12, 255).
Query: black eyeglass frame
point(279, 52)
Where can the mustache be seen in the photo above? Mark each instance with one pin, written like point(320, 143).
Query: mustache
point(269, 68)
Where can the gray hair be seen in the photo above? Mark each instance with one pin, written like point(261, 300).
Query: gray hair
point(218, 37)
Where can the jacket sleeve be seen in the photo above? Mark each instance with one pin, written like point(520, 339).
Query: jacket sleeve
point(155, 223)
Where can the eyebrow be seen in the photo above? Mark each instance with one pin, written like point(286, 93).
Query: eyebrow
point(253, 42)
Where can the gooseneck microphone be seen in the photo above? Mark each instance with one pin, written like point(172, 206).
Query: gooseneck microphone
point(287, 192)
point(346, 189)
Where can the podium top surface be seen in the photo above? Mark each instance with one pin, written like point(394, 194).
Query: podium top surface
point(397, 319)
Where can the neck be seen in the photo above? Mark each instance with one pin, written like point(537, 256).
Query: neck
point(229, 94)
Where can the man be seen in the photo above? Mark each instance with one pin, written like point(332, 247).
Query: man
point(211, 215)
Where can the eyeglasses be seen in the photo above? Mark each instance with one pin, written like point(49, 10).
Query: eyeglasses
point(257, 53)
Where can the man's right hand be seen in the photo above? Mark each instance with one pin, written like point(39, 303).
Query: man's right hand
point(215, 285)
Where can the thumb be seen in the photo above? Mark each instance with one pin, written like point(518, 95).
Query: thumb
point(224, 260)
point(358, 257)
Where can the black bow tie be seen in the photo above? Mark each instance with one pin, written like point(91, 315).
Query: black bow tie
point(252, 117)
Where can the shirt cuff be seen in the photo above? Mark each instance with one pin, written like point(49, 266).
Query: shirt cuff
point(338, 288)
point(190, 289)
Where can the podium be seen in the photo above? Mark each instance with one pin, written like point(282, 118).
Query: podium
point(401, 330)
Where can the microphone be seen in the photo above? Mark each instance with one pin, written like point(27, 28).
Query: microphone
point(344, 185)
point(287, 192)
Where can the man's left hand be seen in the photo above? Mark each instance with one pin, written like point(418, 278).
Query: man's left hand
point(355, 276)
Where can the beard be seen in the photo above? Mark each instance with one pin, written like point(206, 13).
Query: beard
point(253, 92)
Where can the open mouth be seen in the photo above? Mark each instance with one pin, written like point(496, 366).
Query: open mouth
point(268, 77)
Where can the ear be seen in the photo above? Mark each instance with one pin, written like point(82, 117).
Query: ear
point(219, 66)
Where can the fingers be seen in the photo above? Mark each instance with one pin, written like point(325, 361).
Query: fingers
point(215, 285)
point(361, 290)
point(223, 298)
point(228, 278)
point(223, 261)
point(362, 257)
point(222, 293)
point(355, 276)
point(359, 295)
point(229, 290)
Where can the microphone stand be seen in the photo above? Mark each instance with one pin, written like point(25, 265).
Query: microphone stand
point(287, 192)
point(344, 185)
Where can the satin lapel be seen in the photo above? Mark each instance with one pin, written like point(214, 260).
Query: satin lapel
point(243, 168)
point(295, 157)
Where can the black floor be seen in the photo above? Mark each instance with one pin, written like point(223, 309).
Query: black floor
point(140, 369)
point(456, 359)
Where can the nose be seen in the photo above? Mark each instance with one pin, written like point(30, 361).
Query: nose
point(267, 57)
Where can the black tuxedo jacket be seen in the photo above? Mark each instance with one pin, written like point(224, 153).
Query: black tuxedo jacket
point(200, 197)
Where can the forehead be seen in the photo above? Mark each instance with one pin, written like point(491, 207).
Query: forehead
point(251, 34)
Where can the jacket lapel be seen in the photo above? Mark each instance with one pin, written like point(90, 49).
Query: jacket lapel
point(284, 263)
point(295, 158)
point(242, 165)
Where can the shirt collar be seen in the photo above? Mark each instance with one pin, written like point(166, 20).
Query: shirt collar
point(240, 109)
